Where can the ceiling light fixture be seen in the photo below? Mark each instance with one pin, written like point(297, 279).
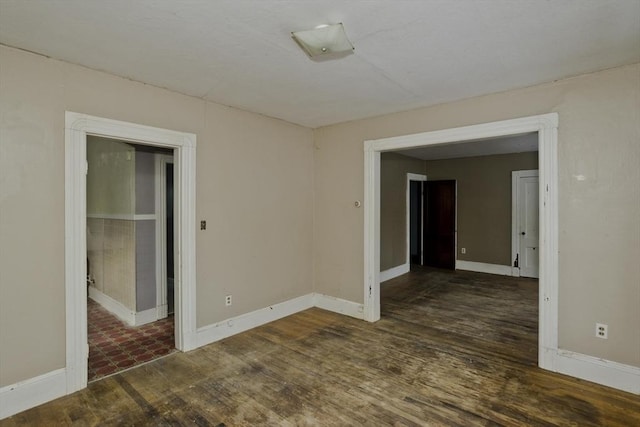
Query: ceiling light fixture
point(324, 40)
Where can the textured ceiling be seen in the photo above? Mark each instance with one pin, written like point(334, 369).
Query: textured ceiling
point(504, 145)
point(408, 53)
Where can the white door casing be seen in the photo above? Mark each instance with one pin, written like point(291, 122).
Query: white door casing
point(77, 127)
point(546, 126)
point(525, 233)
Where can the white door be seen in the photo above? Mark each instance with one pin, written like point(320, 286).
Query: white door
point(526, 228)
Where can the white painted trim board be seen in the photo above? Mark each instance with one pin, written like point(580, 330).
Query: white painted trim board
point(600, 371)
point(77, 127)
point(253, 319)
point(235, 325)
point(394, 272)
point(338, 305)
point(115, 307)
point(124, 217)
point(35, 391)
point(546, 126)
point(481, 267)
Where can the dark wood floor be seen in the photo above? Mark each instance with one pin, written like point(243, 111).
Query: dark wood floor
point(451, 349)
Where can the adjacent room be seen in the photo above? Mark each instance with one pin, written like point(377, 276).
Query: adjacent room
point(273, 212)
point(130, 260)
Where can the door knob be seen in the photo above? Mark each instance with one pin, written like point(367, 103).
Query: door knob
point(522, 233)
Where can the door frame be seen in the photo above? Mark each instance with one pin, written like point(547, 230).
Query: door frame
point(161, 161)
point(420, 178)
point(77, 127)
point(546, 125)
point(515, 217)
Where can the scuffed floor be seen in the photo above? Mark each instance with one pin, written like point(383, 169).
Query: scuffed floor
point(451, 349)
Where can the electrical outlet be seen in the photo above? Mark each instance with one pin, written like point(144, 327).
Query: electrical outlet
point(227, 300)
point(602, 331)
point(203, 225)
point(463, 250)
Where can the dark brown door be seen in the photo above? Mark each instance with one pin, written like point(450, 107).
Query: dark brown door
point(440, 224)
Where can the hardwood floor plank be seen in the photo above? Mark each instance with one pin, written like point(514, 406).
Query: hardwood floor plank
point(451, 349)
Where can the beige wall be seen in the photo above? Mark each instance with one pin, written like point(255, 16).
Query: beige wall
point(484, 202)
point(268, 194)
point(599, 198)
point(483, 197)
point(254, 187)
point(393, 207)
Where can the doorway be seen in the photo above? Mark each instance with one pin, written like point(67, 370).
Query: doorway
point(432, 223)
point(439, 232)
point(546, 128)
point(124, 326)
point(77, 127)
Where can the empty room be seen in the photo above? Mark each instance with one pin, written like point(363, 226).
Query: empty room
point(278, 212)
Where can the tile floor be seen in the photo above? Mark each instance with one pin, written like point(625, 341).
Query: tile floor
point(115, 346)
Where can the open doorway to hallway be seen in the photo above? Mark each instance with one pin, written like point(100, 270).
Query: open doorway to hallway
point(462, 216)
point(129, 237)
point(468, 228)
point(546, 126)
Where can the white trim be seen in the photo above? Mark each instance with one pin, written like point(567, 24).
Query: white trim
point(160, 162)
point(481, 267)
point(394, 272)
point(124, 217)
point(253, 319)
point(144, 217)
point(162, 311)
point(515, 215)
point(146, 316)
point(235, 325)
point(371, 232)
point(113, 306)
point(410, 177)
point(600, 371)
point(547, 127)
point(77, 127)
point(35, 391)
point(338, 305)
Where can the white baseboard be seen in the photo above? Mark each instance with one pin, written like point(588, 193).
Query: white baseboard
point(338, 305)
point(144, 317)
point(600, 371)
point(481, 267)
point(38, 390)
point(35, 391)
point(394, 272)
point(244, 322)
point(162, 311)
point(123, 313)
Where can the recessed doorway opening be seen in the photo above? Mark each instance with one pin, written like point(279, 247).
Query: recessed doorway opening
point(546, 128)
point(127, 253)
